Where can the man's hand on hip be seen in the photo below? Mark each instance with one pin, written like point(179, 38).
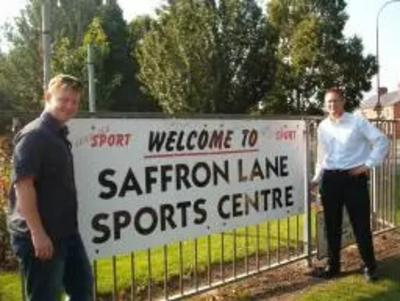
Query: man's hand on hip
point(363, 169)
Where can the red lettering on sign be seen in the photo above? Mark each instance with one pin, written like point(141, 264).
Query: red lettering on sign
point(285, 135)
point(110, 140)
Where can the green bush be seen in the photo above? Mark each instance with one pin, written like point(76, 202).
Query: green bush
point(7, 259)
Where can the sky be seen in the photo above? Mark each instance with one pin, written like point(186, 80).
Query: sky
point(362, 22)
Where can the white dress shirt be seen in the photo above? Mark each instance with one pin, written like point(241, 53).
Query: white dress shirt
point(349, 142)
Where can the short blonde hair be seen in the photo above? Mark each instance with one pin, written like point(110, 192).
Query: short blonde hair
point(63, 81)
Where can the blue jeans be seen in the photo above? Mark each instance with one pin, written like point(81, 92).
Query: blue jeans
point(68, 270)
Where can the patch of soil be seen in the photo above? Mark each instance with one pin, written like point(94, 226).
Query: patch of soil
point(285, 283)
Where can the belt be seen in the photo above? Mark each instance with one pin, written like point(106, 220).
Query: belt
point(337, 171)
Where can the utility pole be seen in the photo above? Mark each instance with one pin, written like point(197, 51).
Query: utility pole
point(46, 42)
point(91, 76)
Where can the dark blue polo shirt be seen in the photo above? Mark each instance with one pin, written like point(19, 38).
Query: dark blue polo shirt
point(42, 150)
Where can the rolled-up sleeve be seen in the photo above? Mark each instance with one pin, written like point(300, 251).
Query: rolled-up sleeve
point(28, 156)
point(378, 140)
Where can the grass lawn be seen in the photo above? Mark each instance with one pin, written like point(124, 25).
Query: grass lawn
point(355, 288)
point(10, 287)
point(105, 272)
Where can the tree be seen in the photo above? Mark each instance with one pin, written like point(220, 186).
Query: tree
point(207, 56)
point(117, 88)
point(137, 28)
point(119, 66)
point(314, 55)
point(21, 70)
point(72, 60)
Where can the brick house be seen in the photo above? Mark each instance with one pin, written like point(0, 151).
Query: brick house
point(390, 102)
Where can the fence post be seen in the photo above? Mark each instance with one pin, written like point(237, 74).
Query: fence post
point(307, 203)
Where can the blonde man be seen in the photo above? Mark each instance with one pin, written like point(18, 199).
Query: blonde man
point(43, 201)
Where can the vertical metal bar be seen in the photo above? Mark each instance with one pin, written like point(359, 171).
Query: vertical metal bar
point(372, 190)
point(258, 247)
point(288, 238)
point(390, 176)
point(396, 125)
point(234, 252)
point(278, 248)
point(246, 263)
point(180, 268)
point(22, 279)
point(382, 185)
point(149, 276)
point(165, 252)
point(95, 282)
point(375, 212)
point(392, 171)
point(209, 276)
point(375, 195)
point(221, 266)
point(307, 172)
point(46, 41)
point(297, 235)
point(386, 182)
point(115, 285)
point(268, 244)
point(196, 254)
point(133, 283)
point(91, 78)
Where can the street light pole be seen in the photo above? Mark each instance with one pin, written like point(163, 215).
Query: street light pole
point(378, 107)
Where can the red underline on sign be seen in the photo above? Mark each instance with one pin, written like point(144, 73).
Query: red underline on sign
point(226, 152)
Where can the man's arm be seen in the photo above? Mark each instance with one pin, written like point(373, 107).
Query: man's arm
point(380, 146)
point(379, 141)
point(26, 205)
point(318, 165)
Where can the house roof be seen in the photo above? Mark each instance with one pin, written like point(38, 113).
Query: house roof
point(387, 99)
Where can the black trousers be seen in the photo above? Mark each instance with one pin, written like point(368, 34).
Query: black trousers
point(338, 189)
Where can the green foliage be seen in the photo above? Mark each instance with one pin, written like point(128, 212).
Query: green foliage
point(7, 260)
point(314, 54)
point(207, 56)
point(74, 24)
point(196, 56)
point(123, 89)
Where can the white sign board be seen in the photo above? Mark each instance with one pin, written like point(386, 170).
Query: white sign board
point(148, 182)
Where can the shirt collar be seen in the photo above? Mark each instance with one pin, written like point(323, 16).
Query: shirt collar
point(341, 119)
point(53, 124)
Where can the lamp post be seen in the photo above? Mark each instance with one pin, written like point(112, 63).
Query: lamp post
point(378, 106)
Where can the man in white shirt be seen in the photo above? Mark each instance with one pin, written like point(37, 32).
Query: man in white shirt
point(344, 159)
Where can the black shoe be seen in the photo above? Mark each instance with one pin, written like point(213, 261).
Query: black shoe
point(370, 275)
point(327, 272)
